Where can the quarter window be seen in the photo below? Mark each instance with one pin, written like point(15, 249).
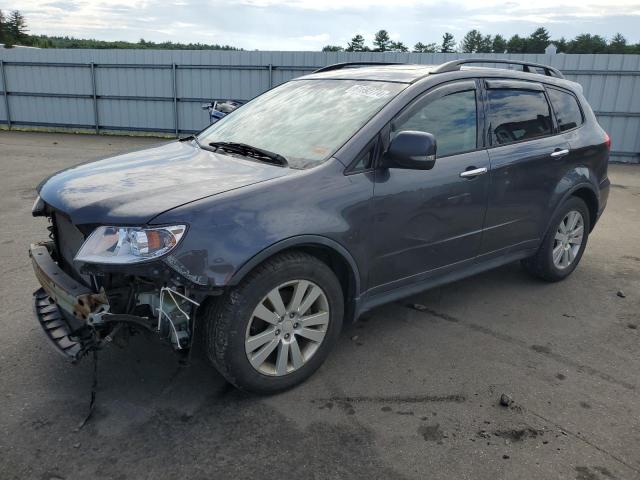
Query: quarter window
point(566, 108)
point(516, 114)
point(451, 119)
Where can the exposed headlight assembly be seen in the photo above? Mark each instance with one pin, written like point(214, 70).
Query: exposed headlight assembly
point(123, 245)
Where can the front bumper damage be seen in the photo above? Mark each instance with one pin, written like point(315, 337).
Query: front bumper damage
point(78, 319)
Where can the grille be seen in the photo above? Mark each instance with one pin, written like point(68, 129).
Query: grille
point(69, 239)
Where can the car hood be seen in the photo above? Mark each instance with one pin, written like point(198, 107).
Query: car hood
point(136, 187)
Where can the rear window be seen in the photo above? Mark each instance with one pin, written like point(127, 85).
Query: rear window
point(566, 108)
point(518, 114)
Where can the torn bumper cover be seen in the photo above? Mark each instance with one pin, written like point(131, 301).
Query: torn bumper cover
point(63, 305)
point(77, 319)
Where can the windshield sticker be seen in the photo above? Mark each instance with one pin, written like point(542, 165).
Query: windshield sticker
point(366, 91)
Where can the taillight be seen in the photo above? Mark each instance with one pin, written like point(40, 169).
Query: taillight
point(607, 140)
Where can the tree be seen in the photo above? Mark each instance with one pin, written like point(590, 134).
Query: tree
point(538, 41)
point(382, 41)
point(332, 48)
point(17, 27)
point(499, 44)
point(516, 44)
point(587, 43)
point(471, 41)
point(398, 47)
point(618, 44)
point(3, 26)
point(486, 44)
point(561, 44)
point(356, 44)
point(448, 43)
point(422, 48)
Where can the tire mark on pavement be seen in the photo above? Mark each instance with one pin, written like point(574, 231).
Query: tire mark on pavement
point(539, 349)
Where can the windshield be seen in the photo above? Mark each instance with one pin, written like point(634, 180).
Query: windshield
point(305, 121)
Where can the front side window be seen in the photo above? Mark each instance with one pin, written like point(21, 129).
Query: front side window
point(451, 119)
point(306, 121)
point(517, 114)
point(566, 108)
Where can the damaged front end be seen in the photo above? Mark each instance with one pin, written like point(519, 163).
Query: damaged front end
point(83, 308)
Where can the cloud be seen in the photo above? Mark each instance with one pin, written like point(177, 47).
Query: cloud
point(311, 24)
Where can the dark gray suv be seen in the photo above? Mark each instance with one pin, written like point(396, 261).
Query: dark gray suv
point(320, 199)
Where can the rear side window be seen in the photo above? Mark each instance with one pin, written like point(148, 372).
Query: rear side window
point(451, 119)
point(518, 114)
point(566, 109)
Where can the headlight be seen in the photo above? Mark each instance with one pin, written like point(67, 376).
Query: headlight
point(121, 245)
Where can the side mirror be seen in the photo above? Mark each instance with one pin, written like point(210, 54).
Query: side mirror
point(411, 150)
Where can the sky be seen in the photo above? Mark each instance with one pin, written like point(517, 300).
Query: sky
point(311, 24)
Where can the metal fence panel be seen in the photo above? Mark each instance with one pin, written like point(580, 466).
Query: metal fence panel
point(161, 90)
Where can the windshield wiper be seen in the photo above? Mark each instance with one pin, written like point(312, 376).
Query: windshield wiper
point(250, 151)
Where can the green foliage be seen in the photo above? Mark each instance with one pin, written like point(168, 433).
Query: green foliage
point(14, 31)
point(425, 48)
point(538, 41)
point(382, 41)
point(618, 44)
point(45, 41)
point(332, 48)
point(3, 26)
point(356, 44)
point(517, 44)
point(398, 47)
point(448, 43)
point(499, 44)
point(471, 41)
point(587, 43)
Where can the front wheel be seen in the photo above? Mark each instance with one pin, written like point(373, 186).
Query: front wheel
point(277, 327)
point(564, 243)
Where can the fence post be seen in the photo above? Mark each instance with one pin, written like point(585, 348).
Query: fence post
point(6, 93)
point(95, 97)
point(270, 76)
point(175, 99)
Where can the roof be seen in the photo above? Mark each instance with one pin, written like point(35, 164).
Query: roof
point(401, 73)
point(408, 73)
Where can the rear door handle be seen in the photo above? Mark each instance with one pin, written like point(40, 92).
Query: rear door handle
point(473, 173)
point(560, 153)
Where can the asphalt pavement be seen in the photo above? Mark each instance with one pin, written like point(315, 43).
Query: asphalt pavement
point(412, 391)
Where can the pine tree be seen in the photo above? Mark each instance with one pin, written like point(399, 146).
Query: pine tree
point(356, 44)
point(398, 47)
point(618, 44)
point(17, 27)
point(425, 48)
point(382, 41)
point(448, 43)
point(538, 41)
point(3, 26)
point(471, 41)
point(499, 44)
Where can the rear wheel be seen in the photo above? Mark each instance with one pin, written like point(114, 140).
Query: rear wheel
point(564, 243)
point(277, 327)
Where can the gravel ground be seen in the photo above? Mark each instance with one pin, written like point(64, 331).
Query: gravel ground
point(412, 390)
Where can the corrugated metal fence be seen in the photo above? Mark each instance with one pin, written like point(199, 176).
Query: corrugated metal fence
point(161, 90)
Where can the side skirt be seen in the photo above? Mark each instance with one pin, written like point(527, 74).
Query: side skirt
point(368, 302)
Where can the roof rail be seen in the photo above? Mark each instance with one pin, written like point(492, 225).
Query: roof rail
point(455, 65)
point(339, 66)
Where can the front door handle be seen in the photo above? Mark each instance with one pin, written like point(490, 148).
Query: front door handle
point(560, 153)
point(474, 172)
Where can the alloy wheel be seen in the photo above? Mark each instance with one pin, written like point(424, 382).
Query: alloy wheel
point(287, 327)
point(568, 239)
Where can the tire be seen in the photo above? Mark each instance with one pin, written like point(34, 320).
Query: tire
point(230, 322)
point(542, 264)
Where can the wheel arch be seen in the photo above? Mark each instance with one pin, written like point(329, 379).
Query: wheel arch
point(336, 256)
point(583, 190)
